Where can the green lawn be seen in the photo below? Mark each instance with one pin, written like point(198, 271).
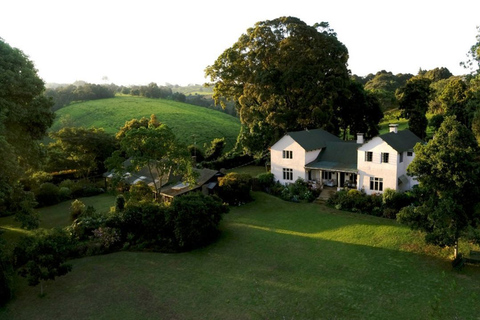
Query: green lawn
point(55, 216)
point(274, 260)
point(185, 120)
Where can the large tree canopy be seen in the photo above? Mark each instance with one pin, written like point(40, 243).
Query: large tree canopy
point(283, 75)
point(448, 170)
point(25, 116)
point(413, 100)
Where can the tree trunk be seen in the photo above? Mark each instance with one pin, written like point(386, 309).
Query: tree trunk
point(455, 250)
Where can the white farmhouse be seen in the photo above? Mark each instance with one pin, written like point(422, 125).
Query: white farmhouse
point(325, 160)
point(383, 161)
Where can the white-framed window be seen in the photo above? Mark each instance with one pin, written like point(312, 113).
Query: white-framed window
point(287, 154)
point(401, 157)
point(409, 154)
point(326, 175)
point(368, 156)
point(385, 156)
point(376, 184)
point(287, 174)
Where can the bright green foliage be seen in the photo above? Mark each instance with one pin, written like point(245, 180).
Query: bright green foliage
point(214, 151)
point(283, 75)
point(77, 208)
point(42, 257)
point(185, 120)
point(449, 174)
point(136, 124)
point(454, 98)
point(157, 149)
point(438, 74)
point(413, 100)
point(383, 86)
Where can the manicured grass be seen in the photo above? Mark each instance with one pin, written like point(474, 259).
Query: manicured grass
point(185, 120)
point(55, 216)
point(251, 170)
point(274, 260)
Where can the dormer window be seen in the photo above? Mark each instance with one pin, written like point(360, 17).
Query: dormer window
point(287, 154)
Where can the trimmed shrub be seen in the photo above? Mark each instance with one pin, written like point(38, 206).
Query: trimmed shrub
point(235, 188)
point(194, 219)
point(47, 194)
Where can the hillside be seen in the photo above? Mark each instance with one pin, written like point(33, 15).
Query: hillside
point(185, 120)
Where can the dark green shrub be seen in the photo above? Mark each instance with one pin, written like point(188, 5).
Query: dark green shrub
point(194, 219)
point(235, 188)
point(6, 275)
point(119, 203)
point(265, 181)
point(64, 193)
point(47, 194)
point(298, 191)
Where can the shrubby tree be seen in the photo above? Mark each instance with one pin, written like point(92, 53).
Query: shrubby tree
point(153, 146)
point(283, 75)
point(42, 257)
point(448, 170)
point(383, 86)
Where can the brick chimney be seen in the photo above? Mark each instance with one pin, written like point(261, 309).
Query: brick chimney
point(360, 138)
point(393, 127)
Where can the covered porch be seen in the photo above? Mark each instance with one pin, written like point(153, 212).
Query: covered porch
point(335, 166)
point(325, 177)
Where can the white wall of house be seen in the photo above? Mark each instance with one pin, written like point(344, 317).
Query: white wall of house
point(377, 168)
point(296, 163)
point(402, 170)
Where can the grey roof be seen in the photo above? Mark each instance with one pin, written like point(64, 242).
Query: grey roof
point(205, 176)
point(337, 156)
point(313, 139)
point(402, 140)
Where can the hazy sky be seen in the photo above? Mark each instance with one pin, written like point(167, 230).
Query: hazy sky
point(143, 41)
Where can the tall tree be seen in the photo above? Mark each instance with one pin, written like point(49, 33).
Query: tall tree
point(448, 170)
point(358, 111)
point(154, 147)
point(80, 149)
point(283, 75)
point(413, 100)
point(25, 116)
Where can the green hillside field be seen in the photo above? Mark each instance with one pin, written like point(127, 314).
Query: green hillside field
point(185, 120)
